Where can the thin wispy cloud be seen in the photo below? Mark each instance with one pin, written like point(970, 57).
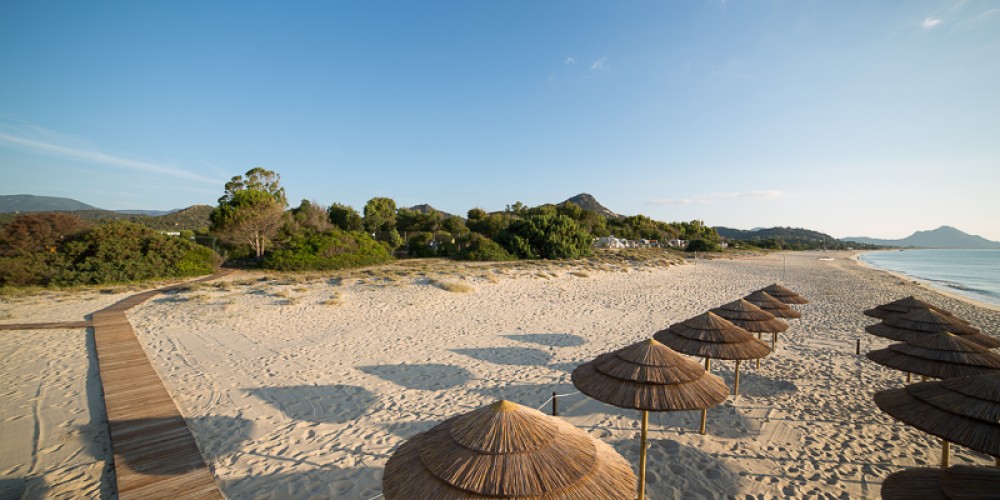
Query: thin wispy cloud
point(95, 156)
point(708, 199)
point(569, 60)
point(599, 64)
point(930, 22)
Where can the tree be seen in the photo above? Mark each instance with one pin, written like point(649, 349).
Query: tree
point(250, 213)
point(380, 214)
point(256, 179)
point(345, 217)
point(39, 232)
point(311, 216)
point(476, 214)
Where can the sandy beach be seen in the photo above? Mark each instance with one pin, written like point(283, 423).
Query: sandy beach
point(302, 386)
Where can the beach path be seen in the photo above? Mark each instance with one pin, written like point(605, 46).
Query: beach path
point(155, 454)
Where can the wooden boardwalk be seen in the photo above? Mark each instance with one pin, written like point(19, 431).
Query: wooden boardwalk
point(155, 455)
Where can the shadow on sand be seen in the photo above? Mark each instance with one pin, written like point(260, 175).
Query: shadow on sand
point(157, 446)
point(427, 377)
point(674, 470)
point(328, 481)
point(515, 356)
point(336, 404)
point(549, 339)
point(754, 384)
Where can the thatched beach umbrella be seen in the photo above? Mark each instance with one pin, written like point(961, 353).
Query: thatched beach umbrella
point(960, 481)
point(903, 306)
point(752, 318)
point(510, 451)
point(783, 294)
point(921, 322)
point(939, 355)
point(713, 337)
point(963, 410)
point(649, 376)
point(772, 305)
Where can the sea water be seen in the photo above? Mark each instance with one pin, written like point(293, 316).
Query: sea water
point(971, 273)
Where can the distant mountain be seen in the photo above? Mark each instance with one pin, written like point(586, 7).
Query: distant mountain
point(32, 203)
point(942, 237)
point(192, 218)
point(588, 202)
point(151, 213)
point(787, 234)
point(797, 237)
point(425, 209)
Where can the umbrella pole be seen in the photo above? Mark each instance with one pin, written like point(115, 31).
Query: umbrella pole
point(642, 455)
point(704, 420)
point(909, 377)
point(774, 339)
point(736, 383)
point(708, 363)
point(760, 336)
point(945, 454)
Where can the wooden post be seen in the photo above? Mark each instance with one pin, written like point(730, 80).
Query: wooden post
point(760, 336)
point(708, 363)
point(857, 347)
point(774, 340)
point(736, 383)
point(555, 404)
point(642, 455)
point(945, 454)
point(704, 420)
point(909, 377)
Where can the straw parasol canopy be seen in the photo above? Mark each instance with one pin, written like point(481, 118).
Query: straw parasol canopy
point(938, 355)
point(772, 305)
point(963, 410)
point(903, 306)
point(921, 322)
point(783, 294)
point(750, 317)
point(510, 451)
point(960, 481)
point(649, 376)
point(712, 336)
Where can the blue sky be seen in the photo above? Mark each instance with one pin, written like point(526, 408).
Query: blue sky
point(847, 117)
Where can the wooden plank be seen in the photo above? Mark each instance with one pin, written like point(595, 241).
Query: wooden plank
point(62, 325)
point(155, 454)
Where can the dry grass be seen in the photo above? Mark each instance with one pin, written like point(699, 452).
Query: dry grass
point(579, 274)
point(452, 286)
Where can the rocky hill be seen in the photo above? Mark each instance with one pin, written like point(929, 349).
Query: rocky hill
point(588, 202)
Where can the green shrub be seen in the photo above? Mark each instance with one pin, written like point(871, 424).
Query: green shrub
point(125, 251)
point(481, 248)
point(547, 237)
point(702, 246)
point(419, 245)
point(332, 249)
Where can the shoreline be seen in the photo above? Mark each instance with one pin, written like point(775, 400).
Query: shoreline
point(925, 284)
